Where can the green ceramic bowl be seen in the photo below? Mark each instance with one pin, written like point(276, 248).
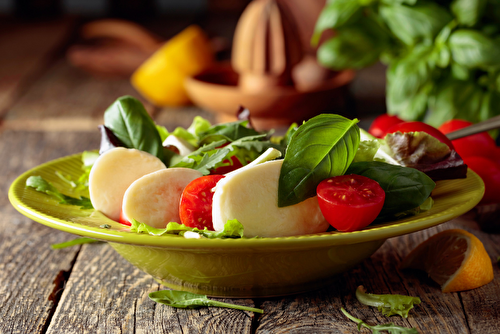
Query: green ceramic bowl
point(235, 267)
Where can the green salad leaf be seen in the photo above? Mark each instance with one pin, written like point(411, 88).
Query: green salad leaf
point(232, 229)
point(184, 299)
point(405, 188)
point(377, 329)
point(322, 147)
point(131, 124)
point(388, 304)
point(40, 184)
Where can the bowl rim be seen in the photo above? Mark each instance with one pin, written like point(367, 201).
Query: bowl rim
point(120, 233)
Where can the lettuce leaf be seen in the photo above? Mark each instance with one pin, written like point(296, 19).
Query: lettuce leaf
point(388, 304)
point(41, 185)
point(232, 229)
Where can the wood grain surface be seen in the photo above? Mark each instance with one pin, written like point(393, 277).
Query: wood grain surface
point(92, 289)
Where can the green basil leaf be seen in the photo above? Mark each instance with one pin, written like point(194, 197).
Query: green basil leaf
point(388, 304)
point(189, 300)
point(474, 49)
point(322, 147)
point(405, 188)
point(409, 82)
point(455, 99)
point(336, 14)
point(132, 125)
point(412, 24)
point(468, 12)
point(354, 46)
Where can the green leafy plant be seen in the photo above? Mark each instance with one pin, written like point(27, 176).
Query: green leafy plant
point(388, 304)
point(443, 57)
point(183, 299)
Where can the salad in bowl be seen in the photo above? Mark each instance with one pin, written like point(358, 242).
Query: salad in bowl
point(230, 211)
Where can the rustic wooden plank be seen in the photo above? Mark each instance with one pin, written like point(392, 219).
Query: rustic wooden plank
point(67, 99)
point(26, 49)
point(106, 294)
point(32, 275)
point(319, 311)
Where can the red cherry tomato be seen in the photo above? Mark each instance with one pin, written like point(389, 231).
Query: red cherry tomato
point(382, 123)
point(421, 126)
point(489, 171)
point(479, 144)
point(195, 208)
point(226, 169)
point(350, 202)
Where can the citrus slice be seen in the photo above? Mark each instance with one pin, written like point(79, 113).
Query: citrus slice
point(455, 259)
point(160, 79)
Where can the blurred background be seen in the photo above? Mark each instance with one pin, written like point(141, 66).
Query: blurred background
point(49, 43)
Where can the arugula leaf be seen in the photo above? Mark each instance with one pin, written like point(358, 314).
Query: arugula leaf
point(40, 184)
point(184, 299)
point(322, 147)
point(390, 327)
point(132, 125)
point(232, 229)
point(405, 188)
point(232, 130)
point(74, 242)
point(388, 304)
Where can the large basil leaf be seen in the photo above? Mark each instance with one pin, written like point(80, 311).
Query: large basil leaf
point(132, 125)
point(468, 12)
point(354, 46)
point(411, 24)
point(472, 48)
point(336, 13)
point(322, 147)
point(409, 84)
point(405, 188)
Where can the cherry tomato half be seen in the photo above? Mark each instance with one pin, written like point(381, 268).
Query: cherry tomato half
point(382, 123)
point(350, 202)
point(489, 171)
point(479, 144)
point(195, 207)
point(421, 126)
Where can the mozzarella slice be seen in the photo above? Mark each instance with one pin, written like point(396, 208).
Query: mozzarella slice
point(154, 198)
point(113, 172)
point(251, 197)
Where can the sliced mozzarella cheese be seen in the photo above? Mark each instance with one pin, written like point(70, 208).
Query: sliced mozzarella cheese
point(154, 198)
point(113, 172)
point(251, 197)
point(182, 145)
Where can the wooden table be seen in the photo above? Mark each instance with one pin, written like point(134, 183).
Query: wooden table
point(48, 110)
